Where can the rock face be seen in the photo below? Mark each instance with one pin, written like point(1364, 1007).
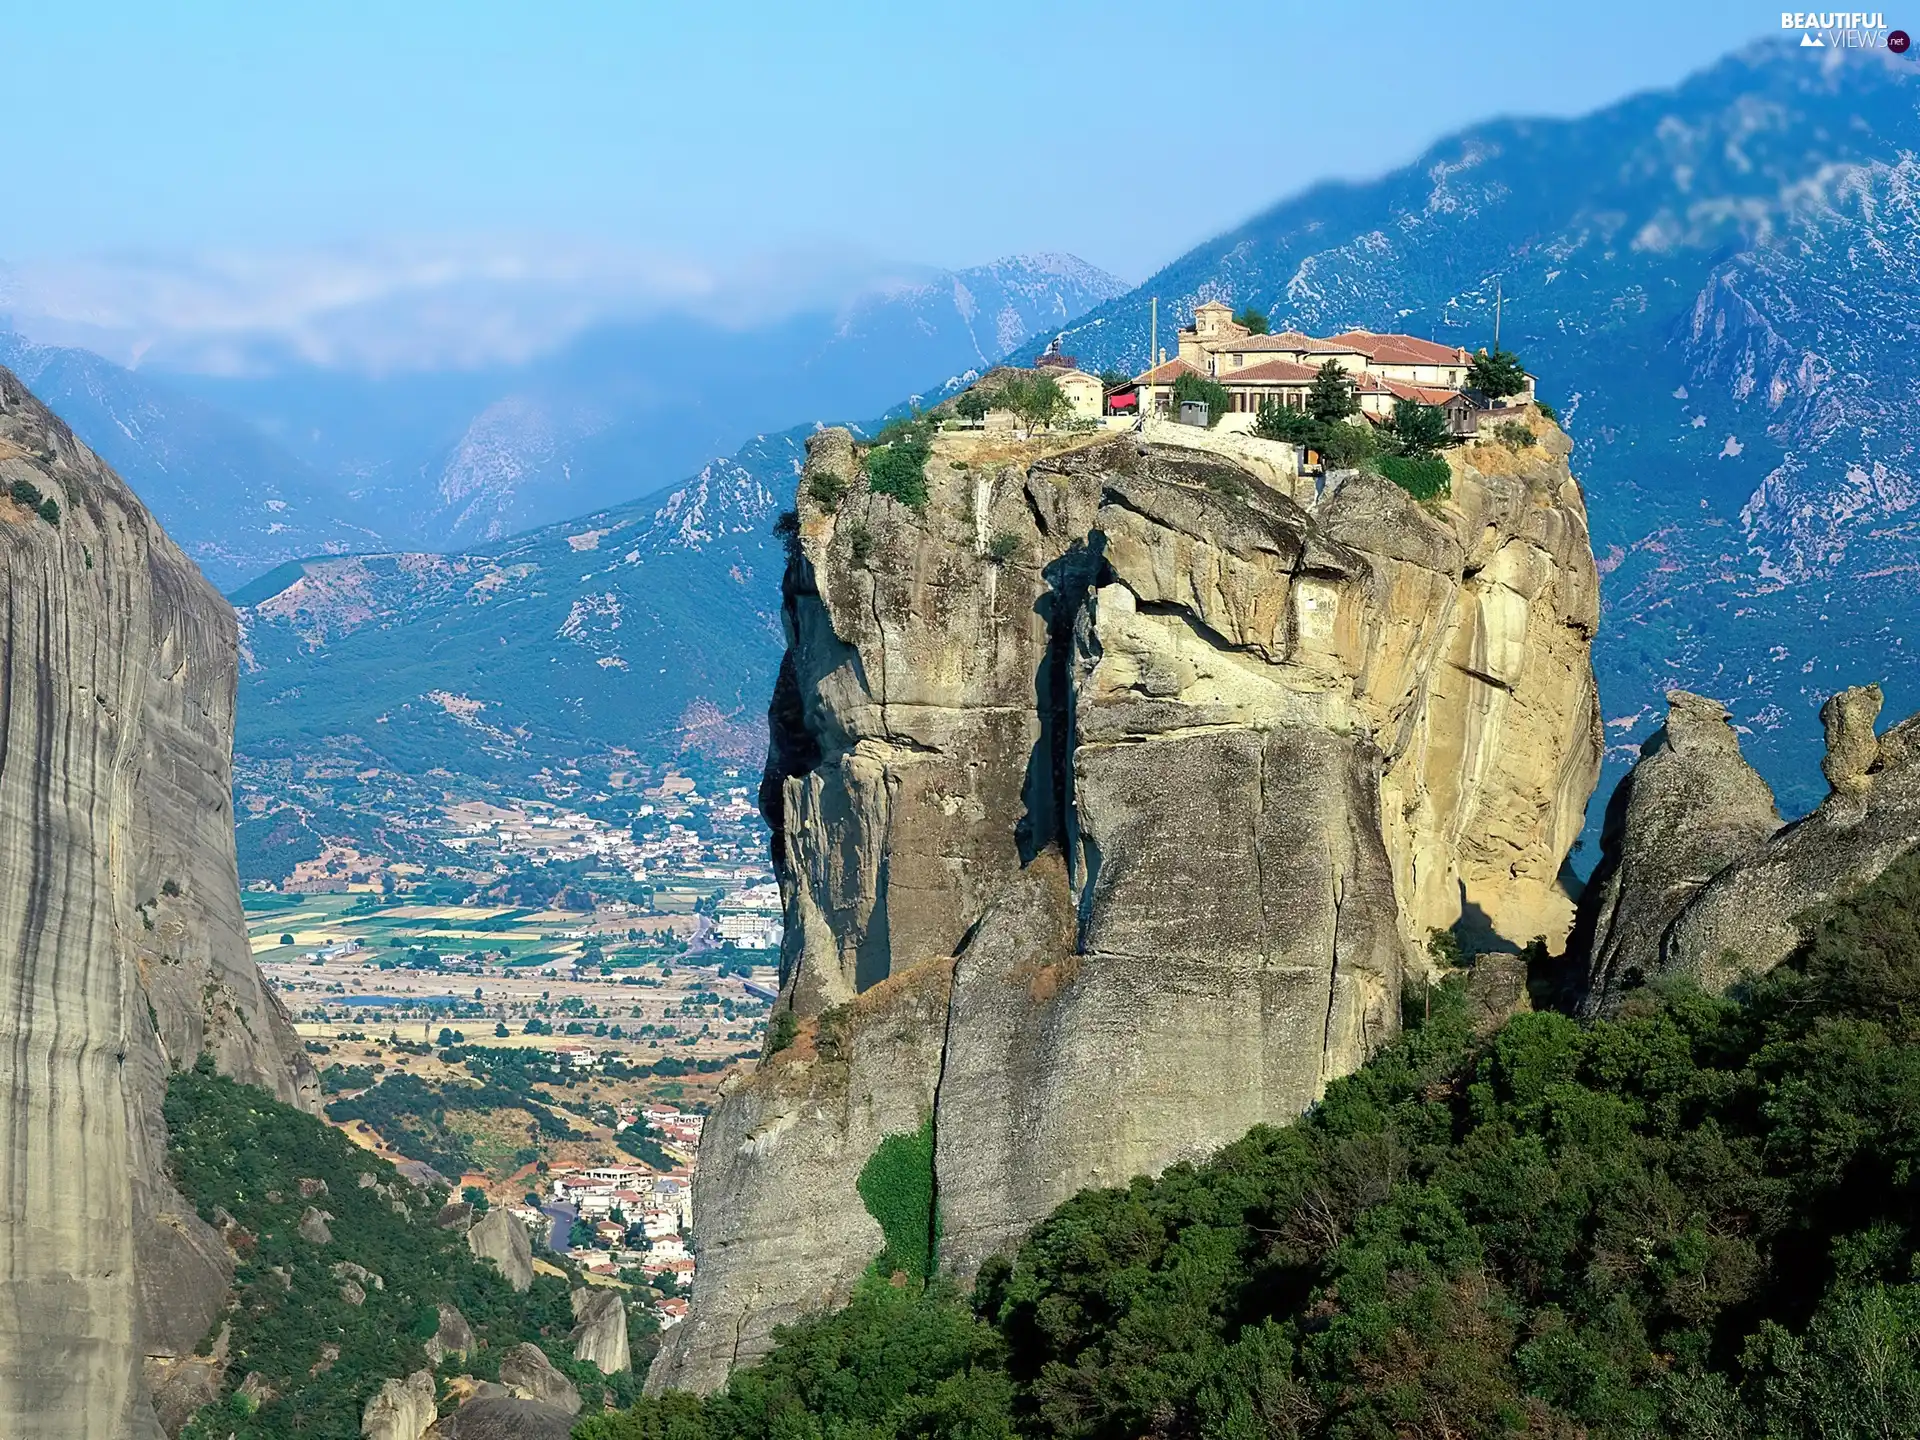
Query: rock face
point(1699, 878)
point(454, 1337)
point(401, 1409)
point(122, 944)
point(600, 1329)
point(505, 1418)
point(502, 1239)
point(1113, 794)
point(529, 1375)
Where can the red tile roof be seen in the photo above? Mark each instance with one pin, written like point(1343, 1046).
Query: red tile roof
point(1273, 372)
point(1168, 373)
point(1392, 349)
point(1425, 394)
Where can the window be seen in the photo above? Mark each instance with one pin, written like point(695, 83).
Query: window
point(1238, 359)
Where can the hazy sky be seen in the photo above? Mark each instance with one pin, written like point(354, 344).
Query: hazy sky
point(947, 134)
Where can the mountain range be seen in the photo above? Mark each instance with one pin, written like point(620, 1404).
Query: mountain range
point(288, 460)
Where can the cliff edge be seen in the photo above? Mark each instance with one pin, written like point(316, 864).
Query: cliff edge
point(122, 944)
point(1115, 789)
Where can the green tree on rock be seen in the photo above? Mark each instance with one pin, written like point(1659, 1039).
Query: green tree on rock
point(1496, 375)
point(1210, 393)
point(1418, 429)
point(1037, 401)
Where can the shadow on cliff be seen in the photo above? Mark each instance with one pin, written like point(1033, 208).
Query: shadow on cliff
point(1046, 792)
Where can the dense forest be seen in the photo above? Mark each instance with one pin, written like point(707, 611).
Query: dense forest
point(321, 1323)
point(1695, 1219)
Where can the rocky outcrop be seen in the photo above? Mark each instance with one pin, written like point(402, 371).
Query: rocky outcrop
point(1687, 810)
point(1701, 879)
point(529, 1375)
point(502, 1239)
point(600, 1329)
point(122, 942)
point(401, 1409)
point(1114, 794)
point(454, 1337)
point(505, 1418)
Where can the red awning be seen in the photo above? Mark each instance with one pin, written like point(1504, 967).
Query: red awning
point(1123, 402)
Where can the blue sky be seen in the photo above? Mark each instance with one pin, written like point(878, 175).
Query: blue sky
point(940, 134)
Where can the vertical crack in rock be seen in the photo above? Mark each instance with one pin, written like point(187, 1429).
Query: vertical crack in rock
point(1155, 818)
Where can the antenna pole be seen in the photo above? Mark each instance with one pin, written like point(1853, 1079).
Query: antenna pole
point(1153, 333)
point(1496, 314)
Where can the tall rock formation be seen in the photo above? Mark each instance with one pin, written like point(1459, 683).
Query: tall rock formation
point(1114, 793)
point(1698, 877)
point(122, 945)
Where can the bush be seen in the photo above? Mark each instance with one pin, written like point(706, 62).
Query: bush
point(899, 468)
point(1037, 400)
point(1210, 393)
point(781, 1032)
point(973, 404)
point(1254, 321)
point(860, 541)
point(50, 510)
point(1513, 434)
point(1425, 477)
point(1343, 444)
point(25, 492)
point(1547, 410)
point(1280, 422)
point(825, 489)
point(1003, 548)
point(896, 1186)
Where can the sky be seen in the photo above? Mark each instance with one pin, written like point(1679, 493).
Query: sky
point(230, 165)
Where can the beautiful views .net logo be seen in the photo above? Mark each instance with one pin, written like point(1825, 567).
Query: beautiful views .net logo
point(1844, 30)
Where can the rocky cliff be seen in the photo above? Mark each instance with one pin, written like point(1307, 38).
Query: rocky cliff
point(1114, 793)
point(1699, 878)
point(122, 945)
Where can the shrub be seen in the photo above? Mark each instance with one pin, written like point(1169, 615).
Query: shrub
point(25, 492)
point(974, 404)
point(896, 1186)
point(1547, 410)
point(1210, 393)
point(1342, 444)
point(899, 468)
point(787, 526)
point(1425, 477)
point(782, 1032)
point(1003, 548)
point(50, 510)
point(825, 489)
point(286, 939)
point(1280, 422)
point(1513, 434)
point(860, 541)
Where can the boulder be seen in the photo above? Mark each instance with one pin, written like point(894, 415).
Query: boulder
point(454, 1337)
point(528, 1374)
point(310, 1188)
point(502, 1239)
point(498, 1418)
point(401, 1409)
point(457, 1216)
point(600, 1328)
point(313, 1227)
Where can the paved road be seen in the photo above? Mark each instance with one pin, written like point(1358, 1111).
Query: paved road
point(562, 1217)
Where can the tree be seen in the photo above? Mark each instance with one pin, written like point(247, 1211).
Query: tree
point(1254, 321)
point(1343, 444)
point(974, 404)
point(1111, 379)
point(1418, 429)
point(1331, 397)
point(1281, 422)
point(500, 1030)
point(286, 939)
point(1036, 400)
point(1210, 393)
point(1496, 375)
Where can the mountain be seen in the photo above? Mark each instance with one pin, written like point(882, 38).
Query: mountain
point(1715, 284)
point(236, 501)
point(447, 459)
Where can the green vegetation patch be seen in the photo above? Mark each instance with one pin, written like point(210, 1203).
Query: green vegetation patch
point(412, 1116)
point(898, 467)
point(1425, 477)
point(1698, 1219)
point(232, 1148)
point(896, 1185)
